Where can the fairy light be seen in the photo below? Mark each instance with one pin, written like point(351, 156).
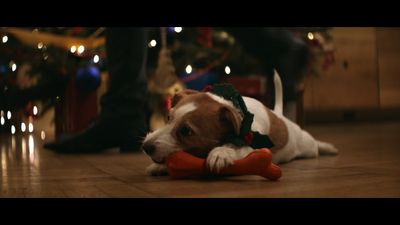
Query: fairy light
point(42, 135)
point(188, 69)
point(8, 115)
point(153, 43)
point(30, 127)
point(73, 49)
point(12, 129)
point(40, 45)
point(96, 59)
point(23, 127)
point(310, 36)
point(227, 70)
point(2, 120)
point(178, 29)
point(35, 110)
point(81, 49)
point(5, 39)
point(13, 66)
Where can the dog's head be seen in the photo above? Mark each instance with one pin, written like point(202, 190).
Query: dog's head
point(197, 122)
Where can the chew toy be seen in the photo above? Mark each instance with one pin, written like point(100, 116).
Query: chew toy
point(259, 162)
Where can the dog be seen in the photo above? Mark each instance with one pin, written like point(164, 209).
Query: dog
point(199, 123)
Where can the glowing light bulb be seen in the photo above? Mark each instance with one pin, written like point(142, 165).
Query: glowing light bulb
point(96, 59)
point(5, 38)
point(178, 29)
point(12, 129)
point(227, 70)
point(153, 43)
point(35, 110)
point(73, 49)
point(2, 120)
point(40, 45)
point(23, 127)
point(8, 115)
point(188, 69)
point(42, 135)
point(310, 36)
point(30, 127)
point(12, 65)
point(81, 49)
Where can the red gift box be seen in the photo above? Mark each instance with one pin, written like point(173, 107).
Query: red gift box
point(75, 111)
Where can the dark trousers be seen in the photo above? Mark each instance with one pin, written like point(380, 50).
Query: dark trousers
point(125, 100)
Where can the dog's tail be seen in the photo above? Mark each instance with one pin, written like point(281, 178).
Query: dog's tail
point(278, 108)
point(326, 148)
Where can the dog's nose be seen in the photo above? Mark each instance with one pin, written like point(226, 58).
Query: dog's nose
point(149, 148)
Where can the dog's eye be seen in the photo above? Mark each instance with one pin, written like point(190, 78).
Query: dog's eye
point(186, 131)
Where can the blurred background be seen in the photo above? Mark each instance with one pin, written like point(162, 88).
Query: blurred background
point(52, 78)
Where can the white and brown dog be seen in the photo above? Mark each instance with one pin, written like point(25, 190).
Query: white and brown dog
point(198, 123)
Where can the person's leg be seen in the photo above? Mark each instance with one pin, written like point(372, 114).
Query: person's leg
point(122, 119)
point(279, 49)
point(126, 61)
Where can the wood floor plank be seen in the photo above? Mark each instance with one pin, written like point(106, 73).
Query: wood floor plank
point(368, 165)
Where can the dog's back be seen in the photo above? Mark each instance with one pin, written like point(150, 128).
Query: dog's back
point(289, 139)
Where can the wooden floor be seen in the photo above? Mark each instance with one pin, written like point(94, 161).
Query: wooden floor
point(368, 166)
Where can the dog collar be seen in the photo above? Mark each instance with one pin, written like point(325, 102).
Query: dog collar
point(246, 135)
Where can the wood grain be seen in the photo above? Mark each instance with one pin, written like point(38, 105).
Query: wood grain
point(367, 166)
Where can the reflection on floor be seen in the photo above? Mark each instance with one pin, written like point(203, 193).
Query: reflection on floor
point(368, 166)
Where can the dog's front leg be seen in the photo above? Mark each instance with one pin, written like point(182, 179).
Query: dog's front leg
point(156, 169)
point(223, 156)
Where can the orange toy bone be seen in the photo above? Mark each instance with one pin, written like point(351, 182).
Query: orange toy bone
point(259, 162)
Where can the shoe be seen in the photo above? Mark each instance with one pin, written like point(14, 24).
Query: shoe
point(100, 136)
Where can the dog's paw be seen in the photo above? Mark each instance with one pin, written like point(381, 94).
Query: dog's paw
point(220, 158)
point(156, 169)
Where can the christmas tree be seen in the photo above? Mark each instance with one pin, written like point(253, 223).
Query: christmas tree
point(212, 49)
point(38, 63)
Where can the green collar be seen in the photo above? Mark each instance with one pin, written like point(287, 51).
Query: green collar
point(246, 135)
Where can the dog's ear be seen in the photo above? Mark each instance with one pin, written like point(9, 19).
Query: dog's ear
point(180, 95)
point(230, 119)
